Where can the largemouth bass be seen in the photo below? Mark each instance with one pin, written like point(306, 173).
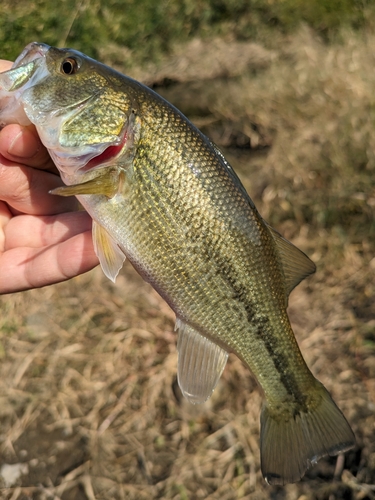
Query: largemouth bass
point(163, 195)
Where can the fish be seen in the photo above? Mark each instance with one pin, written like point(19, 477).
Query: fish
point(161, 194)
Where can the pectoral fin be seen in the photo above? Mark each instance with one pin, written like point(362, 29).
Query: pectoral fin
point(297, 265)
point(200, 363)
point(107, 183)
point(111, 257)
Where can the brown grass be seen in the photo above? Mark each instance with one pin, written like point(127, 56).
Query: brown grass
point(88, 369)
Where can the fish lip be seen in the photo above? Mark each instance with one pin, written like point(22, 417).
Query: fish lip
point(25, 70)
point(32, 51)
point(30, 61)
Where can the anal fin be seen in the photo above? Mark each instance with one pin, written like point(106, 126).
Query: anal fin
point(110, 255)
point(200, 363)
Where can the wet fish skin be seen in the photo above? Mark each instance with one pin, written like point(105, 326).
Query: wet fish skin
point(168, 200)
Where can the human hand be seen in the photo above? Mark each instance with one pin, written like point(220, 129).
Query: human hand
point(43, 239)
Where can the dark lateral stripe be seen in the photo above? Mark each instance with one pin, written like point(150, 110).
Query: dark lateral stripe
point(154, 186)
point(281, 363)
point(280, 360)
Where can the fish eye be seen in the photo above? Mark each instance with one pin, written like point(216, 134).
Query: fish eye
point(69, 66)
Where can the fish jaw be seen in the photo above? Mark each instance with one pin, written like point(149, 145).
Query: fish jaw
point(32, 51)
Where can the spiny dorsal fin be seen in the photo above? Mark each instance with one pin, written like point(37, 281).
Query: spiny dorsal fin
point(111, 257)
point(200, 363)
point(297, 265)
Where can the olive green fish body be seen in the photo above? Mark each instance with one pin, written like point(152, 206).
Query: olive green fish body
point(201, 243)
point(162, 194)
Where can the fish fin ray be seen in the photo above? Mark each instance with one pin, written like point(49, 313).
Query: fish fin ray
point(200, 363)
point(107, 184)
point(110, 255)
point(289, 447)
point(296, 264)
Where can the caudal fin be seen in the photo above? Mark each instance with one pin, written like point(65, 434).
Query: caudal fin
point(289, 446)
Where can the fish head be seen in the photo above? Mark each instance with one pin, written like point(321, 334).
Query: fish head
point(76, 103)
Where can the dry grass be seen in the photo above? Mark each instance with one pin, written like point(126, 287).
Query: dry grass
point(88, 369)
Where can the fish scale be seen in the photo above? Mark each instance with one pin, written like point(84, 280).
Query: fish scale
point(163, 195)
point(164, 264)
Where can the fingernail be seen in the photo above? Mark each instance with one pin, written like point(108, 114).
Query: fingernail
point(24, 145)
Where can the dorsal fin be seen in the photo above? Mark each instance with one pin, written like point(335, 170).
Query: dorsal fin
point(296, 264)
point(200, 363)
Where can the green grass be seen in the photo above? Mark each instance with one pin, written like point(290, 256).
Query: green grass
point(150, 28)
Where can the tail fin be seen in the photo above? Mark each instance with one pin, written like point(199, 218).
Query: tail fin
point(290, 445)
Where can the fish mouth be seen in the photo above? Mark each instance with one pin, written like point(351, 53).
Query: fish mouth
point(32, 51)
point(26, 70)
